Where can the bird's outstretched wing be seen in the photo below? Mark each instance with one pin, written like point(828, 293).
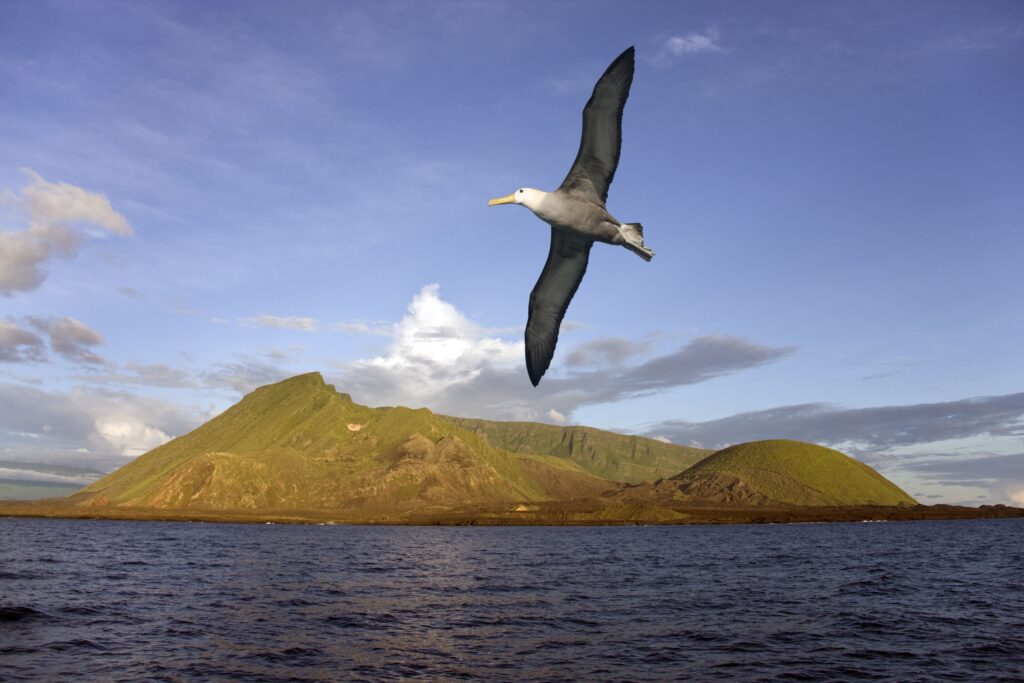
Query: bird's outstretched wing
point(567, 262)
point(595, 164)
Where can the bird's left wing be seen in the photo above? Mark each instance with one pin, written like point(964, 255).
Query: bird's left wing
point(598, 156)
point(562, 274)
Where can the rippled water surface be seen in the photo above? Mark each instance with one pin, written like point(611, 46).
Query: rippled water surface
point(133, 601)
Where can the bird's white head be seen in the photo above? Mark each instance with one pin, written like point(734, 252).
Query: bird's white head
point(527, 196)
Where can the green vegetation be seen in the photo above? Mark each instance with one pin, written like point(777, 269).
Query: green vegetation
point(608, 455)
point(300, 447)
point(790, 473)
point(299, 444)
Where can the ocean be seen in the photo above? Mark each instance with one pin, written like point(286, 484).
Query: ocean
point(170, 601)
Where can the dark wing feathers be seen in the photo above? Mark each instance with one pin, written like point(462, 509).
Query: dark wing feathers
point(590, 176)
point(566, 264)
point(598, 156)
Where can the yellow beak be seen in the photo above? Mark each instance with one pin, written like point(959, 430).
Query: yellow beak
point(510, 199)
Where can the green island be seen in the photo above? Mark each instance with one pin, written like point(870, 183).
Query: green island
point(298, 451)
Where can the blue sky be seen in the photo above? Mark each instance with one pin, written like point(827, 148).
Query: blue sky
point(199, 198)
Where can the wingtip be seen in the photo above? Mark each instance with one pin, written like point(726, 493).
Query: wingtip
point(534, 377)
point(532, 372)
point(626, 57)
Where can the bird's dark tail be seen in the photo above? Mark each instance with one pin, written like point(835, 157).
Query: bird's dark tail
point(633, 234)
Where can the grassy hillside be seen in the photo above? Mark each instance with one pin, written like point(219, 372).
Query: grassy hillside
point(788, 472)
point(605, 454)
point(299, 444)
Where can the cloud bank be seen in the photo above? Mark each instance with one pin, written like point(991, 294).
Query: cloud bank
point(1001, 474)
point(879, 428)
point(441, 359)
point(942, 443)
point(87, 427)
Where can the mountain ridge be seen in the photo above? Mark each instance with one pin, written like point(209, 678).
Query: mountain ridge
point(300, 443)
point(619, 457)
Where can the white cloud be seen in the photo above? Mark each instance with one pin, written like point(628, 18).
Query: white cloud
point(62, 204)
point(130, 436)
point(433, 349)
point(557, 416)
point(693, 43)
point(281, 322)
point(129, 424)
point(86, 426)
point(57, 214)
point(440, 359)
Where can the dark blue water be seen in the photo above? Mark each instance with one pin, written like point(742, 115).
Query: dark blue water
point(134, 601)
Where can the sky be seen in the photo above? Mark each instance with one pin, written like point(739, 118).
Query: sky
point(200, 198)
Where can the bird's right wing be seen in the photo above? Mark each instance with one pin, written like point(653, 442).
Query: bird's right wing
point(562, 274)
point(598, 156)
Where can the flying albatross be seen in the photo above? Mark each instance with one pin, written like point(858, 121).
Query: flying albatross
point(577, 215)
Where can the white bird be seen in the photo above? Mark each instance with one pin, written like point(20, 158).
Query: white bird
point(577, 215)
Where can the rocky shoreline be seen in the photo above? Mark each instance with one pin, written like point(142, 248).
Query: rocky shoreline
point(561, 513)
